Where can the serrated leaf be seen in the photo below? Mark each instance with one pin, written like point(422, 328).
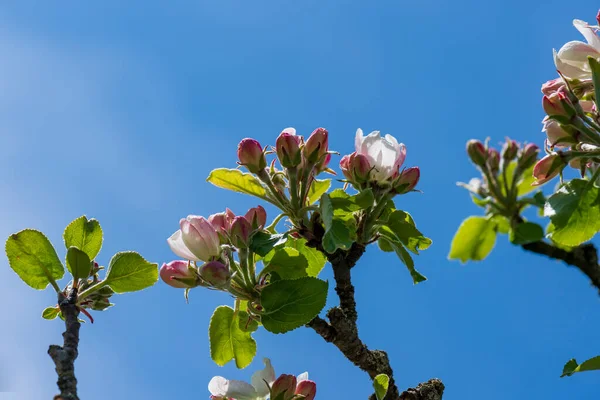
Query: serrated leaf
point(246, 323)
point(338, 235)
point(572, 366)
point(389, 244)
point(237, 181)
point(575, 212)
point(78, 263)
point(50, 312)
point(381, 383)
point(316, 259)
point(317, 188)
point(290, 304)
point(288, 263)
point(262, 243)
point(84, 234)
point(474, 239)
point(228, 341)
point(526, 232)
point(402, 226)
point(33, 258)
point(342, 201)
point(129, 272)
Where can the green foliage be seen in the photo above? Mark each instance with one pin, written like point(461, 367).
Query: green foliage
point(78, 263)
point(316, 260)
point(595, 67)
point(50, 312)
point(526, 232)
point(572, 366)
point(340, 233)
point(262, 243)
point(402, 227)
point(84, 234)
point(524, 182)
point(246, 323)
point(128, 272)
point(575, 212)
point(342, 201)
point(33, 258)
point(227, 339)
point(317, 189)
point(237, 181)
point(388, 244)
point(289, 304)
point(380, 384)
point(474, 239)
point(288, 263)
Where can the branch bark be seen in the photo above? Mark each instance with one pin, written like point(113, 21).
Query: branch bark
point(584, 257)
point(64, 356)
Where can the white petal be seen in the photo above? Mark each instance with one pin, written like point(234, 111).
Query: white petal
point(259, 377)
point(302, 377)
point(588, 33)
point(178, 247)
point(289, 130)
point(218, 386)
point(240, 390)
point(358, 140)
point(571, 60)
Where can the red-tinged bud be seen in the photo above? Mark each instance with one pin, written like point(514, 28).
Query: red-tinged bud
point(528, 156)
point(288, 148)
point(216, 274)
point(323, 164)
point(284, 387)
point(355, 167)
point(553, 86)
point(251, 155)
point(558, 104)
point(407, 180)
point(510, 150)
point(557, 134)
point(178, 274)
point(477, 152)
point(240, 232)
point(547, 168)
point(316, 146)
point(222, 223)
point(257, 216)
point(307, 388)
point(493, 160)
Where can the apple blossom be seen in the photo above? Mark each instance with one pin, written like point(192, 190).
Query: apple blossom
point(215, 273)
point(572, 59)
point(240, 232)
point(220, 387)
point(407, 180)
point(510, 150)
point(178, 274)
point(317, 145)
point(384, 154)
point(547, 168)
point(284, 387)
point(477, 152)
point(287, 147)
point(528, 156)
point(196, 240)
point(355, 167)
point(257, 216)
point(556, 134)
point(251, 155)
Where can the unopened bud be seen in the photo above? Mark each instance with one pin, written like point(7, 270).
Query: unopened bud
point(316, 146)
point(178, 274)
point(510, 150)
point(553, 86)
point(288, 148)
point(558, 104)
point(407, 180)
point(284, 387)
point(493, 160)
point(557, 135)
point(307, 388)
point(215, 273)
point(477, 152)
point(528, 156)
point(356, 167)
point(240, 232)
point(257, 216)
point(547, 168)
point(251, 155)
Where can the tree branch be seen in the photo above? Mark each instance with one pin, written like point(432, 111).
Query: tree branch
point(64, 357)
point(584, 257)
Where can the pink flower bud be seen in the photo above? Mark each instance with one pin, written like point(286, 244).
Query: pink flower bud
point(547, 168)
point(558, 104)
point(257, 216)
point(324, 163)
point(493, 160)
point(356, 167)
point(284, 385)
point(557, 135)
point(222, 223)
point(200, 237)
point(307, 388)
point(510, 150)
point(288, 148)
point(407, 180)
point(240, 232)
point(528, 156)
point(477, 152)
point(178, 274)
point(215, 273)
point(553, 86)
point(316, 146)
point(251, 155)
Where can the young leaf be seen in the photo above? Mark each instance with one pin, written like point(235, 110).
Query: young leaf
point(572, 367)
point(289, 304)
point(403, 227)
point(380, 384)
point(262, 243)
point(33, 258)
point(526, 232)
point(228, 341)
point(84, 234)
point(237, 181)
point(342, 201)
point(524, 183)
point(575, 212)
point(128, 272)
point(316, 259)
point(246, 323)
point(288, 263)
point(389, 244)
point(474, 239)
point(317, 189)
point(50, 312)
point(338, 235)
point(78, 263)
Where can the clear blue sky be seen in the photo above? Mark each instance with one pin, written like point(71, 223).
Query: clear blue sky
point(120, 110)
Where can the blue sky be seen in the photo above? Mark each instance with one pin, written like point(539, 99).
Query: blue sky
point(120, 112)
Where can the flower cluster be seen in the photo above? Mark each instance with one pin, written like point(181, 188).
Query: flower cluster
point(264, 386)
point(572, 121)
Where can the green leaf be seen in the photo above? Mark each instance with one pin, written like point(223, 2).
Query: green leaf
point(526, 232)
point(289, 304)
point(317, 189)
point(228, 341)
point(474, 239)
point(338, 235)
point(316, 259)
point(84, 234)
point(502, 224)
point(524, 182)
point(344, 202)
point(78, 263)
point(595, 67)
point(50, 312)
point(246, 323)
point(403, 227)
point(572, 367)
point(380, 384)
point(478, 201)
point(237, 181)
point(262, 242)
point(388, 244)
point(288, 263)
point(33, 258)
point(575, 212)
point(128, 272)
